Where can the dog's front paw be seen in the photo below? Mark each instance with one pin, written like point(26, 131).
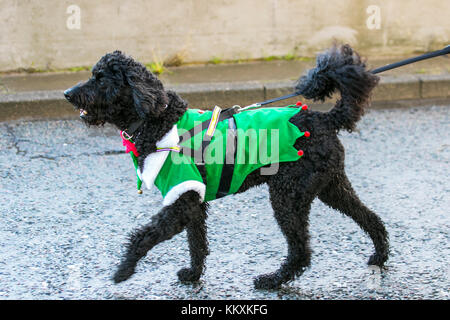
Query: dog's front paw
point(124, 272)
point(271, 281)
point(188, 275)
point(377, 259)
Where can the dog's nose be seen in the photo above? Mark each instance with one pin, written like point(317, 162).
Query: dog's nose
point(67, 94)
point(73, 91)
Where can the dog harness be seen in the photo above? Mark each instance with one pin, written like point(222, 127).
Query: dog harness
point(212, 152)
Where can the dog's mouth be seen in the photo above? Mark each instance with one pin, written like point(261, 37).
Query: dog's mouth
point(83, 113)
point(90, 118)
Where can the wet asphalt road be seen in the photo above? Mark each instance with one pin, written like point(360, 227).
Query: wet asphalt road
point(68, 202)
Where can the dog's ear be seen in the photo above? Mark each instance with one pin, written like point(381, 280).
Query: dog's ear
point(148, 93)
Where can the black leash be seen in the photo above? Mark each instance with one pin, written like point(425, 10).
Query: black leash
point(425, 56)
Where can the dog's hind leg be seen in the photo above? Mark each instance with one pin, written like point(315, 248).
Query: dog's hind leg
point(170, 221)
point(340, 195)
point(291, 203)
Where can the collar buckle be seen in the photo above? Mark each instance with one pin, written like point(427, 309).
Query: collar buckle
point(128, 137)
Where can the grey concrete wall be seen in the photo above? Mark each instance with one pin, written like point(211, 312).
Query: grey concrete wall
point(47, 34)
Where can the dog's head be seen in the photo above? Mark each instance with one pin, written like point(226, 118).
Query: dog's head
point(120, 91)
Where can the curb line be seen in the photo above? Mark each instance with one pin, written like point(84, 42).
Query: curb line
point(392, 92)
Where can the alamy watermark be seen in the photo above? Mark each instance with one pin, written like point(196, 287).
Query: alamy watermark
point(251, 147)
point(373, 22)
point(73, 21)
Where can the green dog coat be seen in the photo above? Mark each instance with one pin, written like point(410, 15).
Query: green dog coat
point(226, 151)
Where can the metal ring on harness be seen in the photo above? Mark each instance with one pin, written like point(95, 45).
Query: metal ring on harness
point(129, 137)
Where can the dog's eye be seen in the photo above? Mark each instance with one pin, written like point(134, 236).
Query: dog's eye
point(98, 76)
point(101, 81)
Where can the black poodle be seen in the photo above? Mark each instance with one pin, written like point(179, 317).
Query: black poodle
point(124, 93)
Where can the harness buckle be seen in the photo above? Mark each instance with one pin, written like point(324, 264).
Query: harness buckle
point(252, 106)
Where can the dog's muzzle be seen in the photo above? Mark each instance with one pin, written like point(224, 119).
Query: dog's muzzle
point(69, 95)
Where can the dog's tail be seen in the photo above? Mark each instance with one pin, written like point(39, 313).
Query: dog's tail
point(340, 68)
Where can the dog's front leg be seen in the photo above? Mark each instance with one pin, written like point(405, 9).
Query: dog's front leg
point(198, 246)
point(170, 221)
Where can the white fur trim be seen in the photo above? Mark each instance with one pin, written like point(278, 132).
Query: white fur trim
point(179, 189)
point(152, 165)
point(171, 139)
point(154, 161)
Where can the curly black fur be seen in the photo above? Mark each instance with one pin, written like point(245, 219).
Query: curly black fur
point(121, 91)
point(340, 68)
